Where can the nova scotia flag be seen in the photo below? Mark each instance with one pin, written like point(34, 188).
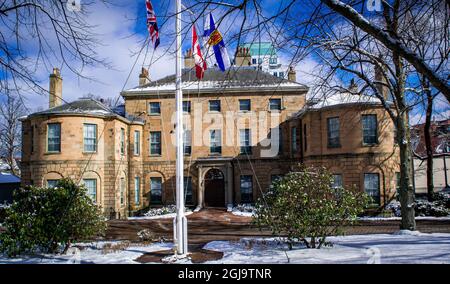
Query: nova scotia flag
point(213, 40)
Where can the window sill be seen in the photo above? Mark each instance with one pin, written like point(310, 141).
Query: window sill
point(88, 152)
point(154, 114)
point(215, 154)
point(52, 153)
point(155, 155)
point(213, 111)
point(370, 144)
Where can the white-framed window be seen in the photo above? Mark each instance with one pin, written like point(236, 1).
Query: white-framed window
point(122, 141)
point(122, 191)
point(155, 142)
point(137, 190)
point(154, 108)
point(244, 105)
point(155, 190)
point(245, 141)
point(91, 187)
point(187, 137)
point(274, 104)
point(333, 132)
point(52, 183)
point(370, 129)
point(137, 143)
point(214, 105)
point(372, 187)
point(90, 137)
point(54, 137)
point(215, 141)
point(246, 188)
point(186, 106)
point(337, 181)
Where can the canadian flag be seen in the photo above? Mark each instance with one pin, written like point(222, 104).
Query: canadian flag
point(200, 63)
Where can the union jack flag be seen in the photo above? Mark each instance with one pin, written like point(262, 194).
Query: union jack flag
point(152, 26)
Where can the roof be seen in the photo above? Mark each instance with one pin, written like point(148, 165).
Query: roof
point(8, 178)
point(85, 106)
point(336, 100)
point(239, 79)
point(260, 49)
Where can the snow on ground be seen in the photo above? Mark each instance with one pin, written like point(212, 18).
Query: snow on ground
point(89, 254)
point(375, 218)
point(401, 247)
point(165, 216)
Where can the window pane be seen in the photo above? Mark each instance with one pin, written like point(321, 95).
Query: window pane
point(155, 143)
point(337, 181)
point(188, 190)
point(155, 190)
point(246, 189)
point(372, 187)
point(54, 137)
point(122, 191)
point(91, 187)
point(187, 142)
point(333, 132)
point(215, 141)
point(244, 105)
point(275, 104)
point(137, 190)
point(294, 139)
point(137, 142)
point(155, 108)
point(90, 137)
point(245, 141)
point(369, 126)
point(214, 105)
point(52, 183)
point(122, 141)
point(186, 106)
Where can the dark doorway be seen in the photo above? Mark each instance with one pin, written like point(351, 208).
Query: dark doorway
point(214, 189)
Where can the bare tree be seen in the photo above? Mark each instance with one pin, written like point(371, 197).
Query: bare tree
point(11, 109)
point(393, 39)
point(40, 33)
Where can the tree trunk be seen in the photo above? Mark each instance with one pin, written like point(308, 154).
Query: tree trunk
point(406, 191)
point(428, 146)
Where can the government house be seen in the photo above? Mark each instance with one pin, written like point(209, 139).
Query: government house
point(244, 128)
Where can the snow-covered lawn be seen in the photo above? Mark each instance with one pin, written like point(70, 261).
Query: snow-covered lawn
point(403, 247)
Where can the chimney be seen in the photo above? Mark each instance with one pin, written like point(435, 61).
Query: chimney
point(55, 89)
point(379, 77)
point(243, 57)
point(353, 88)
point(144, 77)
point(189, 59)
point(292, 75)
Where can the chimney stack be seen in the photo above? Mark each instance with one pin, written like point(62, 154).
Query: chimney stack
point(292, 75)
point(189, 59)
point(144, 77)
point(55, 89)
point(243, 57)
point(379, 77)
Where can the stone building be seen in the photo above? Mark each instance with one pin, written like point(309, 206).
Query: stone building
point(243, 129)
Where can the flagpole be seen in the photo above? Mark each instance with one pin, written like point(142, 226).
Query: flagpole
point(180, 230)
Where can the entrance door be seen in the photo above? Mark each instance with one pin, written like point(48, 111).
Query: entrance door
point(214, 189)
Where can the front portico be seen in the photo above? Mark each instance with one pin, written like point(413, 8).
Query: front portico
point(215, 182)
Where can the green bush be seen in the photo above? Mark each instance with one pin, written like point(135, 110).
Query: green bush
point(48, 219)
point(304, 207)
